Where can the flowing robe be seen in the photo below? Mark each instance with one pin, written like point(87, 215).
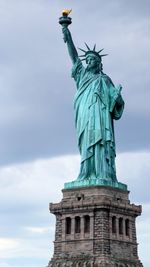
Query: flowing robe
point(95, 107)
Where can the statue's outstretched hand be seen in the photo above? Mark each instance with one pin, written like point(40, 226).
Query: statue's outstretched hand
point(66, 34)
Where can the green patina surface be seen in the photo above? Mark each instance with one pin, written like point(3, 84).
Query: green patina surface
point(97, 104)
point(94, 182)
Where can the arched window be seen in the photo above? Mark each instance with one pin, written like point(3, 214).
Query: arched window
point(127, 228)
point(114, 224)
point(86, 224)
point(77, 224)
point(68, 225)
point(120, 226)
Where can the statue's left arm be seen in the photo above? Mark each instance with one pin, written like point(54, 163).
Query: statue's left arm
point(116, 102)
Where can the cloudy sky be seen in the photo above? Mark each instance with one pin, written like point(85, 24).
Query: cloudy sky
point(38, 150)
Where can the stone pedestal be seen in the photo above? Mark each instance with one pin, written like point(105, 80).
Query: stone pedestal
point(95, 227)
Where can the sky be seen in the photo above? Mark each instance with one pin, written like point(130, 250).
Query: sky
point(37, 133)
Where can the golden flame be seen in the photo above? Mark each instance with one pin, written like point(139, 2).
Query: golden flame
point(66, 12)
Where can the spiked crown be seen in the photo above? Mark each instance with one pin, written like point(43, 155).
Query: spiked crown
point(93, 52)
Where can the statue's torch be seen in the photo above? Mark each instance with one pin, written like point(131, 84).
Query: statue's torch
point(65, 21)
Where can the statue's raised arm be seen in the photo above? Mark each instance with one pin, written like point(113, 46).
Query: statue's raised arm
point(71, 47)
point(65, 21)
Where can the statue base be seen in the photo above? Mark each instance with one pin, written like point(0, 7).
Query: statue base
point(94, 182)
point(95, 227)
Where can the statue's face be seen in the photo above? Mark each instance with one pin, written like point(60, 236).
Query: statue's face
point(92, 62)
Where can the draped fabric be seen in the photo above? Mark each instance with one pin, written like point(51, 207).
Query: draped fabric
point(95, 107)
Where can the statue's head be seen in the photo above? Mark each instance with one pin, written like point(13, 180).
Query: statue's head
point(93, 58)
point(93, 63)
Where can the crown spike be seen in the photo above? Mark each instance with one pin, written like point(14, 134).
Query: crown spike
point(94, 47)
point(82, 56)
point(100, 50)
point(87, 47)
point(104, 55)
point(83, 59)
point(82, 50)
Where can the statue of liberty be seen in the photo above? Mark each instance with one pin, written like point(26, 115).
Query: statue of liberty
point(97, 104)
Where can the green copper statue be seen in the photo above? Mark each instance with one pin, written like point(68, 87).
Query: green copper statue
point(97, 103)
